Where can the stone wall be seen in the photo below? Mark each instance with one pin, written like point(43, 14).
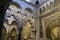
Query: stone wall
point(49, 18)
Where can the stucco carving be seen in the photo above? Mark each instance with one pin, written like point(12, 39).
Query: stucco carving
point(27, 29)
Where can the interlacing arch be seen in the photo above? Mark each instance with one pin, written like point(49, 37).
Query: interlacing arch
point(27, 29)
point(4, 34)
point(16, 4)
point(29, 10)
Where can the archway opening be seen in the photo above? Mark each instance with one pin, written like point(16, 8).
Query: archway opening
point(55, 33)
point(4, 34)
point(13, 35)
point(52, 30)
point(37, 2)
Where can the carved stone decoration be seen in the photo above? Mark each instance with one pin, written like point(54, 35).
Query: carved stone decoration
point(13, 13)
point(27, 29)
point(55, 33)
point(45, 4)
point(10, 23)
point(29, 12)
point(13, 35)
point(54, 29)
point(9, 36)
point(4, 34)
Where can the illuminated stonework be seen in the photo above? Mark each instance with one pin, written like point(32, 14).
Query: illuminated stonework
point(28, 21)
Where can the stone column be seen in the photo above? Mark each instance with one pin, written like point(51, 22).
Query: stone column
point(37, 24)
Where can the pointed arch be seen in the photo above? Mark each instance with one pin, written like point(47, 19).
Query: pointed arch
point(4, 34)
point(13, 34)
point(16, 4)
point(52, 24)
point(29, 10)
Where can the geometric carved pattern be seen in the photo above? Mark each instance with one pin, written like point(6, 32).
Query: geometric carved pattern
point(27, 29)
point(50, 24)
point(14, 15)
point(10, 20)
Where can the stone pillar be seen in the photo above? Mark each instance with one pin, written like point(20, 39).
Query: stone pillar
point(37, 25)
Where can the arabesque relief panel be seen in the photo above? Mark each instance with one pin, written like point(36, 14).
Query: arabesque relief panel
point(49, 23)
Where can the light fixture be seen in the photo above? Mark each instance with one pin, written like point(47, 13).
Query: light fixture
point(28, 0)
